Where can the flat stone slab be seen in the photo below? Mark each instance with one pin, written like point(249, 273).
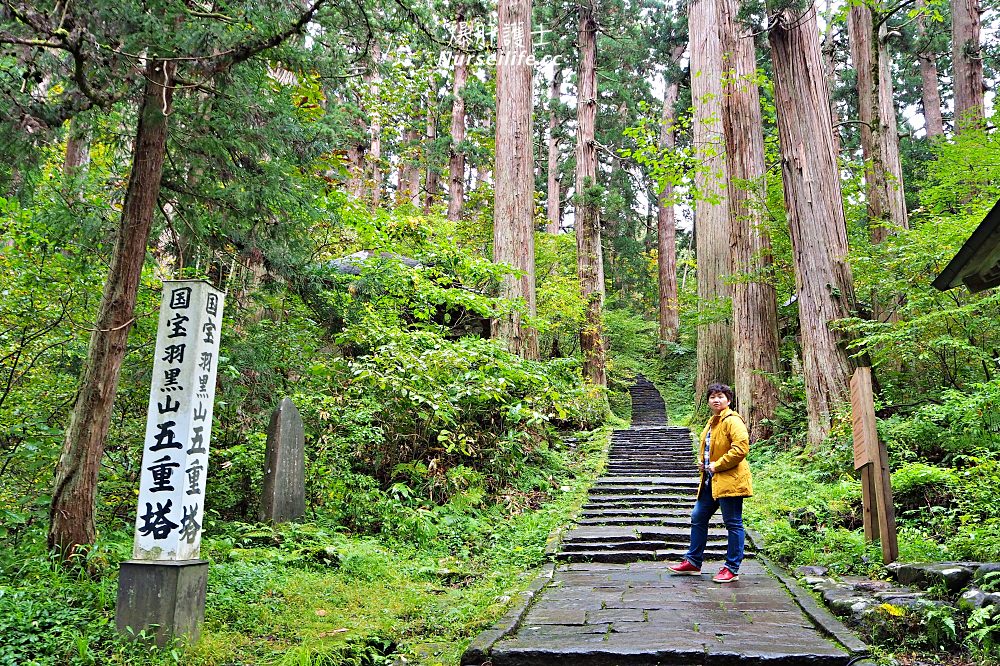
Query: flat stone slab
point(640, 613)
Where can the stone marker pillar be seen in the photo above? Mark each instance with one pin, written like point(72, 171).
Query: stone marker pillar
point(161, 591)
point(284, 496)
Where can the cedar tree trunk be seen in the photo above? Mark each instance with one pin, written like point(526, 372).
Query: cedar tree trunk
point(553, 209)
point(589, 255)
point(879, 134)
point(374, 80)
point(409, 170)
point(456, 159)
point(711, 213)
point(514, 177)
point(433, 175)
point(666, 224)
point(817, 225)
point(755, 307)
point(967, 58)
point(929, 93)
point(72, 509)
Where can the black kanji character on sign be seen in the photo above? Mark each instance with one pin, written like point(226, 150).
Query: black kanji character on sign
point(194, 477)
point(208, 328)
point(180, 298)
point(200, 413)
point(168, 406)
point(174, 353)
point(176, 324)
point(170, 376)
point(165, 438)
point(206, 361)
point(212, 304)
point(203, 386)
point(197, 441)
point(162, 471)
point(156, 522)
point(189, 526)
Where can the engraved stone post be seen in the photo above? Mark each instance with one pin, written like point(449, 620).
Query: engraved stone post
point(162, 589)
point(284, 496)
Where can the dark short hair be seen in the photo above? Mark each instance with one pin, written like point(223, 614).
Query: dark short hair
point(721, 388)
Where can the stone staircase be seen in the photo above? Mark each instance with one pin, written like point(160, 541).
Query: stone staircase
point(606, 605)
point(641, 509)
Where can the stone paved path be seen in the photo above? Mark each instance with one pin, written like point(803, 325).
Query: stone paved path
point(611, 600)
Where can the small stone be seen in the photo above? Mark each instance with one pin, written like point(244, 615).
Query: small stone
point(953, 575)
point(987, 568)
point(859, 608)
point(813, 581)
point(972, 598)
point(810, 571)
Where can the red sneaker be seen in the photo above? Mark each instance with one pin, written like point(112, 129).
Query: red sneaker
point(685, 567)
point(725, 576)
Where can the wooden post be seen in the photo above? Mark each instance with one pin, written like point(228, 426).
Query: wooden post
point(872, 458)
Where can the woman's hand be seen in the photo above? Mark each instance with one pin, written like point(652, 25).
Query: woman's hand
point(711, 467)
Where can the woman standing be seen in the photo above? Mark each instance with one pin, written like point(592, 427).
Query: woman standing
point(725, 481)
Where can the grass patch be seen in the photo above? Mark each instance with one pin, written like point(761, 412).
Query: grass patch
point(309, 593)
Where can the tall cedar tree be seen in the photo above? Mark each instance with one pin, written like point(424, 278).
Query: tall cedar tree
point(374, 80)
point(817, 226)
point(711, 213)
point(879, 135)
point(967, 60)
point(552, 192)
point(929, 94)
point(755, 306)
point(590, 260)
point(666, 223)
point(456, 157)
point(514, 178)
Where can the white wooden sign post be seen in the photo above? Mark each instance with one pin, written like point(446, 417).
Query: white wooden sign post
point(162, 589)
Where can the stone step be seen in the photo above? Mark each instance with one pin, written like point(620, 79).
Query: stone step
point(637, 507)
point(645, 513)
point(613, 489)
point(679, 494)
point(608, 534)
point(640, 544)
point(637, 521)
point(638, 555)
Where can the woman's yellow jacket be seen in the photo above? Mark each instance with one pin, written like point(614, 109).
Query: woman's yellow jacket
point(730, 446)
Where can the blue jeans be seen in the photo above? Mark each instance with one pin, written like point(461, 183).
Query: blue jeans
point(732, 516)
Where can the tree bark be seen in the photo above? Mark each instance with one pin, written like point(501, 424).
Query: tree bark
point(72, 509)
point(589, 254)
point(879, 134)
point(433, 176)
point(968, 63)
point(409, 170)
point(374, 80)
point(456, 160)
point(553, 208)
point(77, 147)
point(356, 169)
point(829, 50)
point(666, 223)
point(711, 214)
point(755, 307)
point(514, 178)
point(817, 226)
point(930, 95)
